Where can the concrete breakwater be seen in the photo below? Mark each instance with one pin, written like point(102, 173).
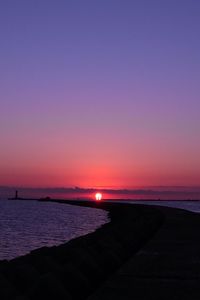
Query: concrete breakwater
point(76, 269)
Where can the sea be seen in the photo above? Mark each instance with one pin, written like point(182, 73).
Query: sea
point(26, 225)
point(190, 205)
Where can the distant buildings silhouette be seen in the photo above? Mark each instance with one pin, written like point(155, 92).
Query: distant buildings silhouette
point(16, 194)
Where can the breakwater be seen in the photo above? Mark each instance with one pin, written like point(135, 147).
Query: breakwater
point(76, 269)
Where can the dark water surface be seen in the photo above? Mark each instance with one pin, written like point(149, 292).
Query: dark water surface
point(28, 225)
point(193, 206)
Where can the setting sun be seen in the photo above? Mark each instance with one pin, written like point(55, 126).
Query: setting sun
point(98, 196)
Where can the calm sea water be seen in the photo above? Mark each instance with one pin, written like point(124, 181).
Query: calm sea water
point(193, 206)
point(28, 225)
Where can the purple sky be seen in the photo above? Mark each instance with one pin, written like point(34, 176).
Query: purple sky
point(99, 92)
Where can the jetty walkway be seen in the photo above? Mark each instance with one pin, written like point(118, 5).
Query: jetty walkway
point(167, 268)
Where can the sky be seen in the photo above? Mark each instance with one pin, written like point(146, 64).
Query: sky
point(99, 93)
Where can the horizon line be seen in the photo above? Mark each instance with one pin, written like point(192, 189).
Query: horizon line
point(128, 188)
